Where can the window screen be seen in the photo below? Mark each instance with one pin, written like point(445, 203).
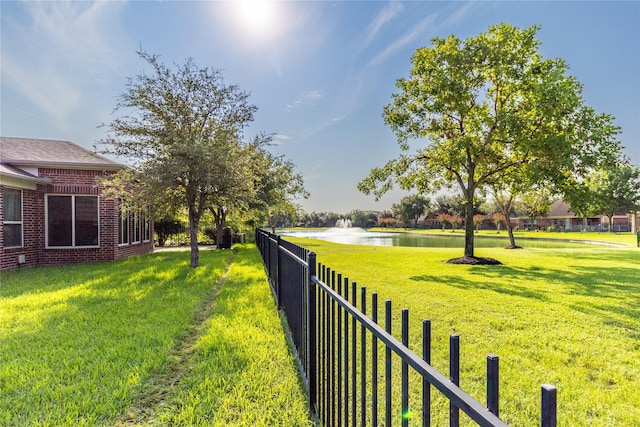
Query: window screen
point(12, 214)
point(72, 221)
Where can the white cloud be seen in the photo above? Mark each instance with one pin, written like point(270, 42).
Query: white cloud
point(423, 28)
point(387, 14)
point(458, 15)
point(416, 32)
point(279, 139)
point(305, 99)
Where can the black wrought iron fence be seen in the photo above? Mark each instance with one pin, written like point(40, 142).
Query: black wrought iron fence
point(338, 351)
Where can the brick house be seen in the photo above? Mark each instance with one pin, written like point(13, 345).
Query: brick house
point(53, 211)
point(561, 218)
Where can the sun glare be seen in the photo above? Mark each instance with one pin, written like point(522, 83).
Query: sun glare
point(257, 17)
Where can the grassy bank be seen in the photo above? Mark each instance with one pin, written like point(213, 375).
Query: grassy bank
point(568, 317)
point(132, 342)
point(521, 237)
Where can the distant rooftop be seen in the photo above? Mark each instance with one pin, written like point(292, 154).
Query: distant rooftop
point(46, 152)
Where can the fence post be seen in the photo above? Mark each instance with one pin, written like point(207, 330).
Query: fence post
point(549, 406)
point(426, 386)
point(387, 364)
point(404, 386)
point(374, 362)
point(363, 361)
point(311, 332)
point(454, 372)
point(277, 278)
point(493, 384)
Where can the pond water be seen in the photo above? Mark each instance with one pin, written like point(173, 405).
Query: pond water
point(358, 236)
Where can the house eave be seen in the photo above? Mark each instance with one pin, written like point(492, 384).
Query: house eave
point(64, 165)
point(36, 179)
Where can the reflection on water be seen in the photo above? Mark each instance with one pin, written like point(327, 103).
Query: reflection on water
point(358, 236)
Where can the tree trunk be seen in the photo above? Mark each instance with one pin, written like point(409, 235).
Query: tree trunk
point(512, 240)
point(506, 212)
point(220, 218)
point(468, 227)
point(193, 236)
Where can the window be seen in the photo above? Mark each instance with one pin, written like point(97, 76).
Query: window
point(136, 226)
point(123, 223)
point(72, 221)
point(12, 214)
point(146, 233)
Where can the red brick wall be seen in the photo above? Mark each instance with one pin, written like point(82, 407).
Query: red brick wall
point(66, 181)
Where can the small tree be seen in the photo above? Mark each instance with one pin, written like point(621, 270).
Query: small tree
point(505, 201)
point(455, 221)
point(444, 219)
point(477, 221)
point(387, 222)
point(498, 219)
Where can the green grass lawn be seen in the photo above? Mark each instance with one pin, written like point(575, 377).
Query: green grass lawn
point(138, 342)
point(569, 317)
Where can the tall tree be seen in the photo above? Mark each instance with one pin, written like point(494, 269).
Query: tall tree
point(411, 208)
point(177, 124)
point(485, 106)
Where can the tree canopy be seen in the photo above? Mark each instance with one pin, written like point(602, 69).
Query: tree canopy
point(278, 187)
point(181, 130)
point(478, 109)
point(608, 192)
point(411, 208)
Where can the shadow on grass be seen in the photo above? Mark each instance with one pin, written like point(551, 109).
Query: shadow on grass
point(487, 272)
point(91, 333)
point(54, 277)
point(610, 293)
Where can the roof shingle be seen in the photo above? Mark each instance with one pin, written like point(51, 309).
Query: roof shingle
point(46, 152)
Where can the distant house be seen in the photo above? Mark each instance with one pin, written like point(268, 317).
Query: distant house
point(561, 218)
point(53, 211)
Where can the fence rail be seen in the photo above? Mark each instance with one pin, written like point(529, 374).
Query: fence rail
point(337, 345)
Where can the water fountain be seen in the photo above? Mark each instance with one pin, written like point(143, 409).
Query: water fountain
point(343, 223)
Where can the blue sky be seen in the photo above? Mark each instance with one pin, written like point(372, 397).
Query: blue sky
point(320, 73)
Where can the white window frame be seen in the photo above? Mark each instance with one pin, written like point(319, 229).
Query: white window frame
point(137, 227)
point(73, 221)
point(123, 212)
point(21, 222)
point(146, 224)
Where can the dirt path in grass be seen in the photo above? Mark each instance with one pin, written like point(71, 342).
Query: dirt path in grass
point(159, 388)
